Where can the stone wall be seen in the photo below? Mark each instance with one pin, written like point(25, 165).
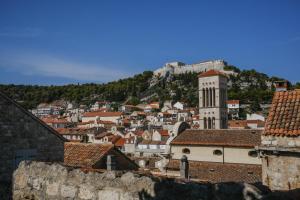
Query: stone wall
point(275, 141)
point(280, 162)
point(38, 180)
point(281, 172)
point(23, 136)
point(181, 68)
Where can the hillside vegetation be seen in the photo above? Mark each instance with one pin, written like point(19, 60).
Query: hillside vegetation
point(249, 86)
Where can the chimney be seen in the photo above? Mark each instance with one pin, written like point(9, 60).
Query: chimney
point(281, 86)
point(184, 167)
point(111, 163)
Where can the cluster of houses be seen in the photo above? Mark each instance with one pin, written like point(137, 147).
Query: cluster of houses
point(143, 130)
point(162, 139)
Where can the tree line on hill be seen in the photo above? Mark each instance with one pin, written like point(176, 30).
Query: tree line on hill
point(248, 86)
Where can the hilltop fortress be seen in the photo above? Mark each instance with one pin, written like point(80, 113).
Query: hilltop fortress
point(181, 68)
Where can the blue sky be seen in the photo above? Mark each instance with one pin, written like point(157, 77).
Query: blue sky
point(61, 42)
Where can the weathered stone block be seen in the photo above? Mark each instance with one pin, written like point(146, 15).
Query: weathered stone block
point(68, 191)
point(86, 192)
point(52, 189)
point(37, 183)
point(109, 194)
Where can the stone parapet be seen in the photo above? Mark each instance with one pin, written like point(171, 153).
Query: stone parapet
point(39, 180)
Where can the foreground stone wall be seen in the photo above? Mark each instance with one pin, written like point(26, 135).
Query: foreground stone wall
point(23, 136)
point(281, 172)
point(38, 180)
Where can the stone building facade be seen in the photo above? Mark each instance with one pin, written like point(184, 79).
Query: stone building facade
point(212, 100)
point(280, 145)
point(24, 137)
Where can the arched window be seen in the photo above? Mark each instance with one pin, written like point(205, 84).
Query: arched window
point(209, 123)
point(214, 97)
point(186, 151)
point(221, 97)
point(206, 96)
point(252, 153)
point(210, 97)
point(203, 97)
point(213, 123)
point(217, 152)
point(205, 123)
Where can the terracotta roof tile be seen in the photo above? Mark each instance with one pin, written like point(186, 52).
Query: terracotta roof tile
point(72, 131)
point(84, 155)
point(211, 72)
point(221, 172)
point(163, 132)
point(55, 120)
point(233, 101)
point(245, 123)
point(221, 137)
point(237, 123)
point(120, 142)
point(102, 114)
point(284, 115)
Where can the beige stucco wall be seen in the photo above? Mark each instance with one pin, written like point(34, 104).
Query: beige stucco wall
point(112, 119)
point(156, 136)
point(205, 153)
point(240, 155)
point(197, 153)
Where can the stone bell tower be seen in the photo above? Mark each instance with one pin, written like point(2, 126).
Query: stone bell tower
point(212, 100)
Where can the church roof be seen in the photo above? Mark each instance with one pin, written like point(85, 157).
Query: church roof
point(284, 115)
point(220, 172)
point(219, 137)
point(211, 72)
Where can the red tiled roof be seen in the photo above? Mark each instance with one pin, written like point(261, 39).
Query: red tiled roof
point(83, 154)
point(120, 142)
point(79, 131)
point(259, 123)
point(163, 132)
point(219, 137)
point(284, 115)
point(221, 172)
point(245, 123)
point(54, 120)
point(237, 123)
point(104, 122)
point(85, 123)
point(211, 72)
point(113, 138)
point(233, 101)
point(103, 134)
point(102, 114)
point(166, 113)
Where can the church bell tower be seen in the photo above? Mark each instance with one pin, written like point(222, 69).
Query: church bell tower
point(212, 100)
